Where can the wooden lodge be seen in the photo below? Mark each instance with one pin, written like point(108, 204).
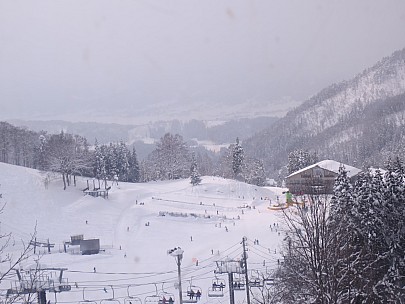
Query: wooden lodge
point(318, 178)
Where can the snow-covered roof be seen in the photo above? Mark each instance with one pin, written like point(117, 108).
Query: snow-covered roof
point(330, 165)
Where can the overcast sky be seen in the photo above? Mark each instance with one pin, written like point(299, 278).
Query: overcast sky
point(62, 54)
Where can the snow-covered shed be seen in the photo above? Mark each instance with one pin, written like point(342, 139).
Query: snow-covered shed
point(318, 178)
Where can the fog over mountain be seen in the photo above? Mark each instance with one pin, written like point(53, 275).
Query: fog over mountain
point(360, 121)
point(138, 61)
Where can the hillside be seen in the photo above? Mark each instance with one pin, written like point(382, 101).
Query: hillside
point(336, 123)
point(207, 221)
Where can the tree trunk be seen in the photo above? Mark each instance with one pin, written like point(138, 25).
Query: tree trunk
point(64, 181)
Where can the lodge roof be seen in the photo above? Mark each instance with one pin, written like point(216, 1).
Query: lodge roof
point(330, 165)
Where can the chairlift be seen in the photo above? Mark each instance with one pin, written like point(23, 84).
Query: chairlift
point(218, 283)
point(217, 288)
point(238, 283)
point(193, 294)
point(111, 300)
point(153, 299)
point(215, 293)
point(131, 299)
point(166, 297)
point(269, 281)
point(86, 301)
point(255, 280)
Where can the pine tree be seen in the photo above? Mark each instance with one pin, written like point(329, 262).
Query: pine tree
point(111, 161)
point(342, 225)
point(194, 173)
point(299, 159)
point(238, 156)
point(171, 158)
point(122, 161)
point(394, 230)
point(134, 169)
point(254, 172)
point(99, 162)
point(42, 153)
point(366, 226)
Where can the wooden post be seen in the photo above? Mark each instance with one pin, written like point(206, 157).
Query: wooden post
point(49, 247)
point(231, 291)
point(41, 297)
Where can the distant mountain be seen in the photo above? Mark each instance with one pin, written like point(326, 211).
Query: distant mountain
point(359, 122)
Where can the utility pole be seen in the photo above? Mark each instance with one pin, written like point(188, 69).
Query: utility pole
point(246, 270)
point(177, 253)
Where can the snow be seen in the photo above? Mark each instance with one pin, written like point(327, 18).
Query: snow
point(330, 165)
point(137, 226)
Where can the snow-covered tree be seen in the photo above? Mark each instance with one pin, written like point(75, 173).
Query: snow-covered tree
point(254, 172)
point(111, 161)
point(307, 274)
point(170, 159)
point(123, 155)
point(238, 156)
point(394, 231)
point(42, 157)
point(68, 156)
point(224, 167)
point(299, 159)
point(134, 168)
point(99, 162)
point(194, 173)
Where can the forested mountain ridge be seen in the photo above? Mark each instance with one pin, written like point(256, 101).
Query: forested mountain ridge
point(355, 121)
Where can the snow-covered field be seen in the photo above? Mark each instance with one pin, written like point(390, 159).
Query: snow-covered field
point(137, 225)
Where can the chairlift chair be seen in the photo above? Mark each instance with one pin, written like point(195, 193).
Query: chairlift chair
point(218, 283)
point(131, 299)
point(86, 301)
point(217, 289)
point(215, 293)
point(193, 294)
point(269, 281)
point(255, 280)
point(154, 299)
point(238, 283)
point(166, 297)
point(110, 300)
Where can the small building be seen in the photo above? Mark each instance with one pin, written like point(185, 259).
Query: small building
point(76, 239)
point(318, 178)
point(91, 246)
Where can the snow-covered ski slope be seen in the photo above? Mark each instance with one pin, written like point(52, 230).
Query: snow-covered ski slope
point(136, 226)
